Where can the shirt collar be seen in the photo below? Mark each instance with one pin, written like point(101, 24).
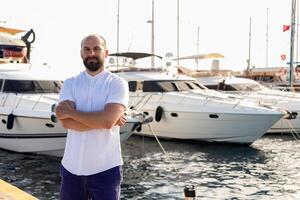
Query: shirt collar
point(98, 76)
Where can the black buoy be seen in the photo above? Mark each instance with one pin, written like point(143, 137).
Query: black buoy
point(10, 121)
point(53, 118)
point(158, 113)
point(53, 107)
point(189, 193)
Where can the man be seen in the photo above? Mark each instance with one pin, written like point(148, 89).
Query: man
point(91, 104)
point(222, 85)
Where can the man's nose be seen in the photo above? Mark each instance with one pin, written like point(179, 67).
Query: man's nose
point(91, 52)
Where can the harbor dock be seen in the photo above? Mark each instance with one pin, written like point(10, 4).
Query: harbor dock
point(10, 192)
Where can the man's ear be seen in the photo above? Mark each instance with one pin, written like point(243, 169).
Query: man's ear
point(106, 53)
point(81, 54)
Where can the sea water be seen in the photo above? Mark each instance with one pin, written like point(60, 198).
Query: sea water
point(268, 169)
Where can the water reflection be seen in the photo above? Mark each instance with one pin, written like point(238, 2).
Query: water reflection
point(263, 170)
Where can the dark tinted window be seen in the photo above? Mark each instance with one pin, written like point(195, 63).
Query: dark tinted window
point(132, 86)
point(158, 86)
point(170, 85)
point(28, 86)
point(227, 87)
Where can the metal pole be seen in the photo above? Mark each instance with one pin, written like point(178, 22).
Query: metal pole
point(198, 45)
point(177, 32)
point(118, 26)
point(249, 51)
point(297, 30)
point(292, 43)
point(152, 36)
point(267, 40)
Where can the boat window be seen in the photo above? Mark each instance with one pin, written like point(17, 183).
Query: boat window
point(1, 81)
point(171, 86)
point(189, 85)
point(159, 86)
point(195, 85)
point(182, 86)
point(248, 87)
point(30, 86)
point(132, 86)
point(227, 88)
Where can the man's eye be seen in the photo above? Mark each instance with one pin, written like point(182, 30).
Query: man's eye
point(97, 49)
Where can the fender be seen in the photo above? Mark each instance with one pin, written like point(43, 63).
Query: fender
point(10, 121)
point(158, 113)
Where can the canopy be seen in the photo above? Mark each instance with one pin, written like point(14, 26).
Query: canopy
point(7, 41)
point(201, 56)
point(134, 55)
point(10, 31)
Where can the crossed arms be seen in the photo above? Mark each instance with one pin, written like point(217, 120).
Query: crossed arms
point(71, 118)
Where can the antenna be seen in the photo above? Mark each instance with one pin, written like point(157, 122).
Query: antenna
point(177, 32)
point(297, 30)
point(118, 26)
point(267, 40)
point(198, 31)
point(249, 53)
point(152, 36)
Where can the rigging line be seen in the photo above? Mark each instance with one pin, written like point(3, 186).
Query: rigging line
point(295, 134)
point(135, 106)
point(294, 130)
point(162, 148)
point(145, 102)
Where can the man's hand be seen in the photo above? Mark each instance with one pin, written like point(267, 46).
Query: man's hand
point(121, 121)
point(64, 108)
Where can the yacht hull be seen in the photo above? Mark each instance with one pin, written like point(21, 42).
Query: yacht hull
point(231, 128)
point(33, 135)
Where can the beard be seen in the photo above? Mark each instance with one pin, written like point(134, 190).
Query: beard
point(93, 63)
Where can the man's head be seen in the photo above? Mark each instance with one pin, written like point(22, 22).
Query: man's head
point(93, 52)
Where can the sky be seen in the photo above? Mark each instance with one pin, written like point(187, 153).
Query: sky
point(223, 25)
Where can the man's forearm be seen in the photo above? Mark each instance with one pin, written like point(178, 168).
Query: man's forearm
point(102, 119)
point(75, 125)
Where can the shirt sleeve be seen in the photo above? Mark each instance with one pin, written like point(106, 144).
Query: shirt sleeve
point(119, 92)
point(66, 91)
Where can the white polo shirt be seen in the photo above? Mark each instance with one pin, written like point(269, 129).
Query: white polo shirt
point(97, 150)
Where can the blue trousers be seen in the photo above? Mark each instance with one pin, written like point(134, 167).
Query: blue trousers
point(102, 186)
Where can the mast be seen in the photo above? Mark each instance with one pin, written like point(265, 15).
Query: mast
point(118, 26)
point(198, 31)
point(152, 36)
point(249, 51)
point(292, 42)
point(297, 31)
point(267, 40)
point(177, 32)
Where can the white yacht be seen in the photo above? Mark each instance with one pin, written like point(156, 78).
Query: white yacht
point(184, 109)
point(251, 89)
point(28, 124)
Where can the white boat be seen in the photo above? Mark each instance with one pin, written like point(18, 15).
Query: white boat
point(251, 89)
point(28, 124)
point(184, 109)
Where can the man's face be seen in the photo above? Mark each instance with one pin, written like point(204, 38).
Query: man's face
point(93, 53)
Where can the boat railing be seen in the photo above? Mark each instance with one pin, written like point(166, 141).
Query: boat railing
point(18, 98)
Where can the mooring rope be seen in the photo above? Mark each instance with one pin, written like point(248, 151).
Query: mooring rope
point(294, 132)
point(166, 154)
